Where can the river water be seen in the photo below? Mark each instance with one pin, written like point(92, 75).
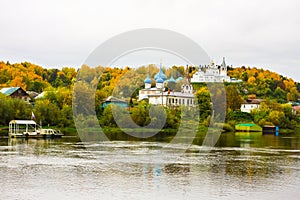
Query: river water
point(241, 166)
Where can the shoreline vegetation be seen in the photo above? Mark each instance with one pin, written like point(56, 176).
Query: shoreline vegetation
point(54, 105)
point(116, 133)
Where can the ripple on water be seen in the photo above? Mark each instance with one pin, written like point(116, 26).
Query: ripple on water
point(141, 170)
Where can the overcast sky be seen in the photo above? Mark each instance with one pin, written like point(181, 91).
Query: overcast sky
point(63, 33)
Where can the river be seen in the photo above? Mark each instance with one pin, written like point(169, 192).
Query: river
point(241, 166)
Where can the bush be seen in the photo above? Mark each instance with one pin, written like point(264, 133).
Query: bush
point(228, 128)
point(239, 116)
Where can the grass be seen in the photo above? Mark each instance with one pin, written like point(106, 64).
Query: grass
point(69, 131)
point(3, 131)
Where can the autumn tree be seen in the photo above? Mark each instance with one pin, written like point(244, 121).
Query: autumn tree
point(204, 103)
point(234, 100)
point(293, 94)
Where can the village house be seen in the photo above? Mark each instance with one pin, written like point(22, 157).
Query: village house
point(296, 110)
point(250, 104)
point(114, 101)
point(16, 92)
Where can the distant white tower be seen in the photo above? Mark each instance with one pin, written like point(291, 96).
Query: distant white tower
point(223, 70)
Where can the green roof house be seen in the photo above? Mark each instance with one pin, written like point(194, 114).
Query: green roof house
point(16, 92)
point(114, 101)
point(248, 128)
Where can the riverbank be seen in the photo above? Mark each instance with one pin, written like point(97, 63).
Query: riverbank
point(117, 133)
point(3, 131)
point(67, 131)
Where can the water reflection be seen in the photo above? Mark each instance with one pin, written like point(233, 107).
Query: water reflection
point(262, 166)
point(259, 140)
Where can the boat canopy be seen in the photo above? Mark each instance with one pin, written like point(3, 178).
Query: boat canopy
point(22, 122)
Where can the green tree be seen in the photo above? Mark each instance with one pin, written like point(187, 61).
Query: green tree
point(140, 114)
point(204, 103)
point(65, 119)
point(280, 95)
point(46, 112)
point(83, 99)
point(173, 118)
point(239, 116)
point(13, 108)
point(234, 100)
point(112, 113)
point(277, 118)
point(293, 94)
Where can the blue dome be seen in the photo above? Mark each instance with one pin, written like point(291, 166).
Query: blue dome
point(148, 80)
point(159, 80)
point(171, 80)
point(160, 74)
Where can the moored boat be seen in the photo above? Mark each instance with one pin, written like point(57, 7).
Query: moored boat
point(22, 128)
point(28, 129)
point(52, 133)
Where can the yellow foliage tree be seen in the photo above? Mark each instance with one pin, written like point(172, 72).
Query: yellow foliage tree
point(18, 82)
point(252, 80)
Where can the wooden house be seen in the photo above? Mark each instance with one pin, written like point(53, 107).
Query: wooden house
point(16, 92)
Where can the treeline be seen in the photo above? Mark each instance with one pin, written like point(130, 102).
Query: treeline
point(163, 117)
point(275, 90)
point(262, 83)
point(265, 84)
point(55, 108)
point(32, 77)
point(269, 113)
point(13, 109)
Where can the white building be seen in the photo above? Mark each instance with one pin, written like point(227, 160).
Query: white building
point(212, 73)
point(250, 104)
point(157, 95)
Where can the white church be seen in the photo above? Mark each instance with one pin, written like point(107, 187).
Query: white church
point(157, 96)
point(213, 73)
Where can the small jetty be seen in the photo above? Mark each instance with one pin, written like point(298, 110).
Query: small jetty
point(267, 129)
point(28, 129)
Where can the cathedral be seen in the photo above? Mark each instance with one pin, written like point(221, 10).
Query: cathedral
point(158, 96)
point(212, 73)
